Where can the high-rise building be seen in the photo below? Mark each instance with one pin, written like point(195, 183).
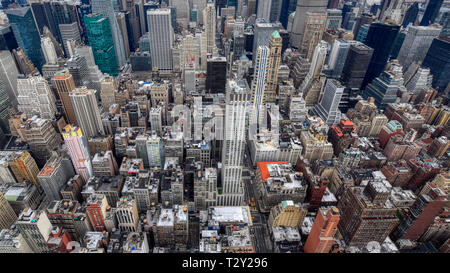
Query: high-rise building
point(364, 19)
point(259, 84)
point(298, 28)
point(314, 25)
point(431, 12)
point(384, 88)
point(236, 109)
point(7, 214)
point(263, 31)
point(77, 147)
point(104, 164)
point(35, 97)
point(216, 75)
point(365, 217)
point(24, 167)
point(209, 16)
point(275, 44)
point(107, 93)
point(64, 84)
point(328, 107)
point(155, 151)
point(62, 214)
point(421, 215)
point(338, 56)
point(381, 48)
point(161, 38)
point(353, 72)
point(269, 10)
point(98, 31)
point(122, 24)
point(287, 8)
point(438, 61)
point(7, 39)
point(105, 7)
point(54, 175)
point(127, 215)
point(35, 229)
point(416, 44)
point(87, 113)
point(96, 205)
point(49, 50)
point(321, 236)
point(27, 34)
point(8, 88)
point(411, 15)
point(41, 136)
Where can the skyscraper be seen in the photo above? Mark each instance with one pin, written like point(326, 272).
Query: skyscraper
point(259, 84)
point(431, 12)
point(87, 113)
point(275, 46)
point(161, 38)
point(411, 15)
point(35, 97)
point(27, 34)
point(98, 31)
point(298, 28)
point(381, 48)
point(421, 215)
point(7, 214)
point(105, 7)
point(236, 109)
point(263, 32)
point(35, 229)
point(416, 44)
point(328, 107)
point(209, 15)
point(8, 87)
point(383, 88)
point(314, 25)
point(216, 75)
point(338, 56)
point(54, 175)
point(438, 61)
point(77, 147)
point(287, 7)
point(321, 236)
point(64, 84)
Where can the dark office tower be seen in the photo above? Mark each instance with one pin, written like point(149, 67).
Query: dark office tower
point(27, 34)
point(66, 20)
point(411, 15)
point(438, 60)
point(78, 68)
point(364, 19)
point(356, 64)
point(43, 16)
point(7, 39)
point(421, 215)
point(287, 7)
point(381, 48)
point(216, 75)
point(83, 8)
point(219, 5)
point(398, 44)
point(99, 35)
point(333, 4)
point(431, 12)
point(285, 43)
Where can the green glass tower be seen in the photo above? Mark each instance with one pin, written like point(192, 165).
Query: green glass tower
point(99, 36)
